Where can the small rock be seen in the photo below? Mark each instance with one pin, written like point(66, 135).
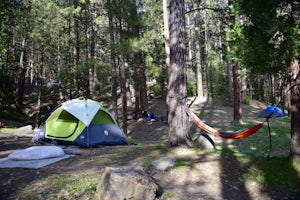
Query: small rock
point(163, 164)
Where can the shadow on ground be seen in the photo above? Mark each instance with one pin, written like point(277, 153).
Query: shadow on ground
point(199, 174)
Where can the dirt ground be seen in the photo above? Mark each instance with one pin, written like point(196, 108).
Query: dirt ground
point(204, 174)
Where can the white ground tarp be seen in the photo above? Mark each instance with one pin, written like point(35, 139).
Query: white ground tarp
point(33, 157)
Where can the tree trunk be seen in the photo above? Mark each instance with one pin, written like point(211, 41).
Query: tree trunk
point(141, 102)
point(282, 91)
point(167, 43)
point(124, 68)
point(177, 118)
point(89, 50)
point(190, 47)
point(59, 67)
point(237, 110)
point(200, 92)
point(272, 89)
point(40, 78)
point(295, 110)
point(21, 78)
point(114, 84)
point(76, 49)
point(244, 86)
point(143, 88)
point(229, 79)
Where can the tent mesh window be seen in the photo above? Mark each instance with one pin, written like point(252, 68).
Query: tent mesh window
point(65, 116)
point(102, 118)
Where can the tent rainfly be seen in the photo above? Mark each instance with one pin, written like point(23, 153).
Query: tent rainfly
point(81, 122)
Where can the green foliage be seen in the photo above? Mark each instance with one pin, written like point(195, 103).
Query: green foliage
point(4, 16)
point(152, 42)
point(6, 88)
point(181, 163)
point(191, 89)
point(217, 78)
point(169, 195)
point(59, 181)
point(233, 35)
point(10, 113)
point(7, 11)
point(75, 185)
point(192, 83)
point(159, 146)
point(156, 74)
point(269, 47)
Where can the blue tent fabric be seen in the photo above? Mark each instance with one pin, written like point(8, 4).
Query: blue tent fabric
point(272, 112)
point(92, 136)
point(103, 134)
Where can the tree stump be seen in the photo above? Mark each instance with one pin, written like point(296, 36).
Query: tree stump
point(130, 182)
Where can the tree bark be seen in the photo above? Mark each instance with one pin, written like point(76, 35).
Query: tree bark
point(59, 67)
point(295, 110)
point(177, 118)
point(167, 43)
point(76, 49)
point(21, 78)
point(90, 44)
point(200, 92)
point(237, 110)
point(40, 89)
point(229, 79)
point(124, 89)
point(114, 84)
point(244, 86)
point(141, 101)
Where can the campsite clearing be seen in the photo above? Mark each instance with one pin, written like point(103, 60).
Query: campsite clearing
point(234, 170)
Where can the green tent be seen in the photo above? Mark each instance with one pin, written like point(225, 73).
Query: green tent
point(81, 122)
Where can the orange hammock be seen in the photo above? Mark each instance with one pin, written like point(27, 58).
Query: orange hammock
point(230, 135)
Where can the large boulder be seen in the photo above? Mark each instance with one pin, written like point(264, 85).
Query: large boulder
point(130, 182)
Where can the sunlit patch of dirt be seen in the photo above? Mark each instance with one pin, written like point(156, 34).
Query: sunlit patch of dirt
point(199, 174)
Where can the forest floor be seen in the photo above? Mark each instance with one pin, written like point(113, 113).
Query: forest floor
point(199, 174)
